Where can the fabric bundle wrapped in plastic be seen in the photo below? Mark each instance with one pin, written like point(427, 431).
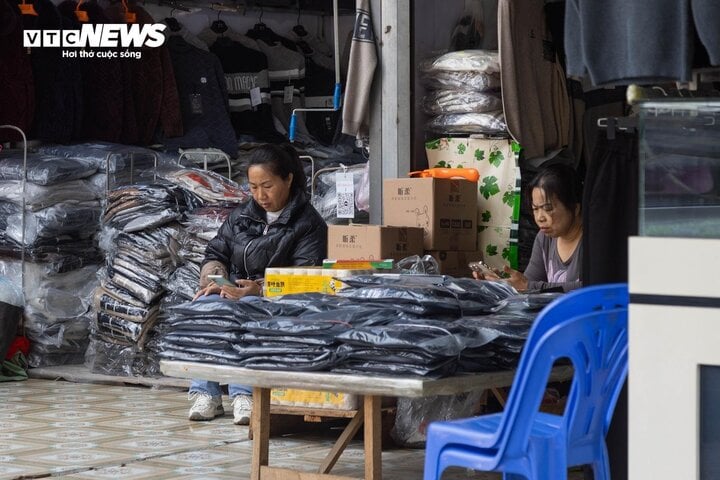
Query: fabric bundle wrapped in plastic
point(57, 313)
point(464, 93)
point(211, 187)
point(489, 123)
point(45, 169)
point(476, 70)
point(120, 164)
point(445, 102)
point(141, 207)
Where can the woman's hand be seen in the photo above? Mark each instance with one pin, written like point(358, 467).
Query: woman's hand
point(244, 288)
point(209, 290)
point(516, 279)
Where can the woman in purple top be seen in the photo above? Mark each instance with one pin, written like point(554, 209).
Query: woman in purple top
point(556, 260)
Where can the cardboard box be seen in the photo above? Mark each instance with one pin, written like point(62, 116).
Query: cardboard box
point(455, 263)
point(312, 399)
point(285, 281)
point(373, 242)
point(385, 264)
point(445, 209)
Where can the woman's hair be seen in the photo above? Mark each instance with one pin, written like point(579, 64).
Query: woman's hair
point(281, 160)
point(559, 181)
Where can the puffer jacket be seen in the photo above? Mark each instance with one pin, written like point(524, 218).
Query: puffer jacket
point(246, 244)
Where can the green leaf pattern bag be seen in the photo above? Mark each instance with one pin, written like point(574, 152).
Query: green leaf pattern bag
point(498, 190)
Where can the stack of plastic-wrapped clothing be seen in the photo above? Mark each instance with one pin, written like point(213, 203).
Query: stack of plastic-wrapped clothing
point(119, 164)
point(463, 93)
point(379, 325)
point(219, 196)
point(139, 236)
point(61, 219)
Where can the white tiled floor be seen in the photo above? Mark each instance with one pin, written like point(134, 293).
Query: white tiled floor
point(74, 430)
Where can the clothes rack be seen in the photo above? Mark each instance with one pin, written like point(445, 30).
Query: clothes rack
point(22, 216)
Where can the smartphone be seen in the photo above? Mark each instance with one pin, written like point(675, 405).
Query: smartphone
point(220, 280)
point(480, 267)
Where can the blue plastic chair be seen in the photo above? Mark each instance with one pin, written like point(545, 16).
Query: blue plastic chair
point(587, 326)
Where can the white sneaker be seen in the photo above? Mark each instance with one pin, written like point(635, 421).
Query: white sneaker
point(206, 407)
point(242, 409)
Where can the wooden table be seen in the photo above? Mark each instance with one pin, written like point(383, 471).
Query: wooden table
point(372, 388)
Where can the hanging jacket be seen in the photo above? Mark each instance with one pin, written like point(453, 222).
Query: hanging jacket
point(58, 81)
point(203, 96)
point(361, 69)
point(246, 244)
point(17, 101)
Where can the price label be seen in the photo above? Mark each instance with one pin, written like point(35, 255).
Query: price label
point(255, 98)
point(288, 93)
point(345, 195)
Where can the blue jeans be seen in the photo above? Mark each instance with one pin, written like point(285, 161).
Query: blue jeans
point(213, 388)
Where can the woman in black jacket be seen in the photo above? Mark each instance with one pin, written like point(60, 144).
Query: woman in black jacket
point(278, 227)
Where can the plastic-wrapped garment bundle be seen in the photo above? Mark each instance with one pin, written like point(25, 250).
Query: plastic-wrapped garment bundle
point(300, 304)
point(387, 355)
point(111, 305)
point(511, 329)
point(56, 341)
point(326, 323)
point(38, 197)
point(7, 209)
point(422, 301)
point(489, 123)
point(61, 295)
point(480, 61)
point(184, 281)
point(479, 82)
point(80, 220)
point(120, 294)
point(45, 169)
point(107, 157)
point(140, 288)
point(453, 297)
point(289, 340)
point(441, 102)
point(200, 226)
point(437, 369)
point(66, 250)
point(226, 357)
point(114, 329)
point(158, 268)
point(183, 338)
point(156, 244)
point(114, 359)
point(140, 207)
point(239, 312)
point(297, 362)
point(415, 414)
point(209, 186)
point(277, 348)
point(439, 338)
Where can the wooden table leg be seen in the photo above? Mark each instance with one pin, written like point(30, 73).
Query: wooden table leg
point(373, 438)
point(261, 430)
point(342, 442)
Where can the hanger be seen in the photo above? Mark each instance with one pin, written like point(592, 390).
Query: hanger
point(260, 25)
point(81, 15)
point(172, 22)
point(299, 29)
point(260, 31)
point(27, 9)
point(219, 26)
